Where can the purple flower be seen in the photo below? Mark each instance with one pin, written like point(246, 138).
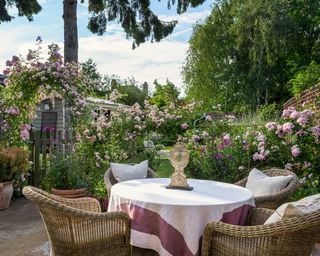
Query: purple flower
point(261, 155)
point(24, 132)
point(230, 157)
point(261, 138)
point(82, 103)
point(304, 117)
point(287, 127)
point(301, 133)
point(184, 126)
point(316, 131)
point(279, 131)
point(306, 165)
point(294, 114)
point(271, 126)
point(287, 112)
point(218, 156)
point(8, 63)
point(226, 139)
point(13, 111)
point(295, 150)
point(15, 60)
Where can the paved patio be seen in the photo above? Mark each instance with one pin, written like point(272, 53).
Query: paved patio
point(22, 232)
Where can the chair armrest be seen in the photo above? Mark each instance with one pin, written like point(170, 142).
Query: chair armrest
point(241, 183)
point(219, 235)
point(258, 216)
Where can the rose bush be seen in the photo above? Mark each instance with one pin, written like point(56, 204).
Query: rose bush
point(31, 78)
point(226, 151)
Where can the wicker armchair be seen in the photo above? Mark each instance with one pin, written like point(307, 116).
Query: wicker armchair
point(77, 226)
point(273, 201)
point(109, 179)
point(295, 236)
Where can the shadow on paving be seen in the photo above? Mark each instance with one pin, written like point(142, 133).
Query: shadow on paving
point(22, 232)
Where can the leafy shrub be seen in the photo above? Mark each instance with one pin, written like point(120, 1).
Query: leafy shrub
point(13, 163)
point(305, 78)
point(226, 151)
point(65, 172)
point(268, 112)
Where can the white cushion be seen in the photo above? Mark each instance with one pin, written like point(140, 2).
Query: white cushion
point(261, 184)
point(123, 172)
point(288, 210)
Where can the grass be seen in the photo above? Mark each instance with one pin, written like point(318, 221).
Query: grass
point(165, 169)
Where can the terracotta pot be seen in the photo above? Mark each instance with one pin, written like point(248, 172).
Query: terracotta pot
point(69, 193)
point(6, 191)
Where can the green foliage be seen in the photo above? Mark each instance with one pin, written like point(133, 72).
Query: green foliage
point(227, 150)
point(309, 185)
point(25, 8)
point(165, 169)
point(65, 172)
point(305, 78)
point(268, 112)
point(14, 164)
point(29, 80)
point(165, 94)
point(136, 18)
point(131, 92)
point(246, 51)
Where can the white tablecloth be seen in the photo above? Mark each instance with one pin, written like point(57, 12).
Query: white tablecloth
point(172, 222)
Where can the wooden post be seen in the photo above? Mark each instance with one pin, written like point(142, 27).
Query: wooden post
point(36, 162)
point(31, 157)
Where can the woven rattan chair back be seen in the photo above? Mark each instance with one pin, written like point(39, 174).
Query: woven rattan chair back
point(110, 180)
point(77, 227)
point(294, 236)
point(273, 201)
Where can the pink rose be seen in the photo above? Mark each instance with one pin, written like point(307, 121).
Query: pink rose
point(295, 150)
point(184, 126)
point(287, 127)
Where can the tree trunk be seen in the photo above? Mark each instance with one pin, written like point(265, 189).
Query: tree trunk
point(70, 31)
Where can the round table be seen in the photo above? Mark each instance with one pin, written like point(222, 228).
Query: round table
point(172, 222)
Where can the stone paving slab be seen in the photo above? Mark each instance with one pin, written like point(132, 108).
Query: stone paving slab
point(22, 232)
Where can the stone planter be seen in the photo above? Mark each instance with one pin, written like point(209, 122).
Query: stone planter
point(6, 191)
point(69, 193)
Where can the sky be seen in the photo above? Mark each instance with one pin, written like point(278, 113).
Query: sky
point(112, 52)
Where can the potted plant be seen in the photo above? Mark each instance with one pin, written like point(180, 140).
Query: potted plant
point(14, 166)
point(65, 176)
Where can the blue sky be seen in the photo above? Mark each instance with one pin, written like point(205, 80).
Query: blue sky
point(112, 52)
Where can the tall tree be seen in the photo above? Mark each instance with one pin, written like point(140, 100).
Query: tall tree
point(71, 45)
point(247, 50)
point(135, 16)
point(165, 94)
point(138, 21)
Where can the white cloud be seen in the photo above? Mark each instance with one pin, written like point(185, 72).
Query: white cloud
point(112, 52)
point(187, 18)
point(114, 55)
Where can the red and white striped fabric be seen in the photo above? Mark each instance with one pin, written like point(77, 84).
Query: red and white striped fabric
point(172, 222)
